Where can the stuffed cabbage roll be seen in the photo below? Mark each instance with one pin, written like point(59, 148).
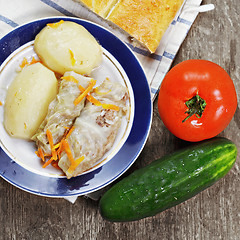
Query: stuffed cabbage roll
point(62, 111)
point(95, 130)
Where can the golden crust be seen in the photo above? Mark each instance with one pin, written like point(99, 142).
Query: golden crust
point(145, 20)
point(103, 7)
point(88, 3)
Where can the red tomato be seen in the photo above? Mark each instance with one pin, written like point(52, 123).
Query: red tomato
point(197, 100)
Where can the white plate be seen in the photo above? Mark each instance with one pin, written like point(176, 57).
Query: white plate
point(19, 164)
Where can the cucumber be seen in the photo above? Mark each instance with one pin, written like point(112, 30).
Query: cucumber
point(168, 181)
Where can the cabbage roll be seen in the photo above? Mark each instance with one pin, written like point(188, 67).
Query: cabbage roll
point(95, 130)
point(62, 111)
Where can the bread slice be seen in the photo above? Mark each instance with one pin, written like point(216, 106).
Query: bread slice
point(88, 3)
point(145, 20)
point(103, 7)
point(100, 7)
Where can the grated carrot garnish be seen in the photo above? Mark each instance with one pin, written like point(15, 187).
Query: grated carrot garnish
point(55, 25)
point(56, 146)
point(48, 162)
point(110, 106)
point(56, 149)
point(70, 78)
point(68, 151)
point(34, 60)
point(93, 100)
point(76, 163)
point(73, 163)
point(85, 93)
point(55, 165)
point(50, 140)
point(41, 155)
point(73, 60)
point(24, 63)
point(90, 98)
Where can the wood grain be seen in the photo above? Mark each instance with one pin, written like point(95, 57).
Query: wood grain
point(213, 214)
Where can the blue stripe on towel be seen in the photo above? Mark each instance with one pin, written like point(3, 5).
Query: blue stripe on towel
point(182, 20)
point(154, 90)
point(169, 55)
point(8, 21)
point(58, 8)
point(145, 52)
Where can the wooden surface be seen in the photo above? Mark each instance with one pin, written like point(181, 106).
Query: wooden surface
point(213, 214)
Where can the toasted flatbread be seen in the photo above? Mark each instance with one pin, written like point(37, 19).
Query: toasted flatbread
point(100, 7)
point(145, 20)
point(88, 3)
point(103, 7)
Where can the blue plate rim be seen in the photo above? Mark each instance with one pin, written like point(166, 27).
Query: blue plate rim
point(62, 187)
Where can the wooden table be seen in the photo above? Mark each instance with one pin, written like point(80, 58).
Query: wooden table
point(213, 214)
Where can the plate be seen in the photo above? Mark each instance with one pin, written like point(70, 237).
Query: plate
point(117, 53)
point(23, 151)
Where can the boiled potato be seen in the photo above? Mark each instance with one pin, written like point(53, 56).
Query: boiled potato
point(27, 100)
point(68, 46)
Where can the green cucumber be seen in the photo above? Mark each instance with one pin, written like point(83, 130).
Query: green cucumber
point(168, 181)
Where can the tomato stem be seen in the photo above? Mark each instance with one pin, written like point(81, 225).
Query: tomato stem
point(196, 106)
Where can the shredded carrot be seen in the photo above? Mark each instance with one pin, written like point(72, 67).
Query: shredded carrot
point(55, 165)
point(82, 89)
point(110, 106)
point(24, 63)
point(68, 151)
point(79, 160)
point(48, 162)
point(50, 140)
point(47, 155)
point(56, 146)
point(57, 149)
point(70, 78)
point(1, 103)
point(93, 100)
point(90, 98)
point(41, 155)
point(34, 60)
point(85, 93)
point(55, 25)
point(73, 60)
point(75, 164)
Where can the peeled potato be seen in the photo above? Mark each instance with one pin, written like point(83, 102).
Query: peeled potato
point(27, 100)
point(68, 46)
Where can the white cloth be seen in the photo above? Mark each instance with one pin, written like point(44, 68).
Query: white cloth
point(17, 12)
